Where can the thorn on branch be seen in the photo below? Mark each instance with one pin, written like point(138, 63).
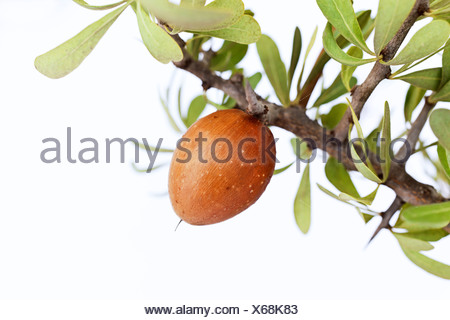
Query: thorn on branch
point(387, 216)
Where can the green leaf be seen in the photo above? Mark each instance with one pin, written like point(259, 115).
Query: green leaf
point(339, 177)
point(245, 31)
point(426, 79)
point(228, 56)
point(254, 79)
point(302, 202)
point(424, 42)
point(331, 194)
point(413, 98)
point(409, 243)
point(433, 216)
point(217, 15)
point(432, 266)
point(333, 92)
point(158, 42)
point(334, 51)
point(445, 65)
point(65, 58)
point(194, 45)
point(193, 3)
point(195, 109)
point(437, 4)
point(357, 125)
point(104, 7)
point(439, 122)
point(347, 71)
point(428, 235)
point(341, 15)
point(366, 217)
point(373, 138)
point(367, 200)
point(444, 158)
point(280, 170)
point(308, 50)
point(295, 56)
point(300, 148)
point(172, 122)
point(361, 167)
point(366, 24)
point(330, 120)
point(385, 144)
point(390, 17)
point(443, 94)
point(274, 67)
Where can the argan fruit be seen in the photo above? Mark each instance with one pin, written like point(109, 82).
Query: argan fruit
point(221, 166)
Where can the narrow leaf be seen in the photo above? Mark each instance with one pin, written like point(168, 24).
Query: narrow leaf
point(308, 50)
point(158, 42)
point(444, 158)
point(331, 119)
point(245, 31)
point(366, 217)
point(274, 67)
point(428, 79)
point(386, 143)
point(254, 79)
point(408, 243)
point(280, 170)
point(367, 200)
point(428, 235)
point(217, 15)
point(361, 167)
point(443, 94)
point(341, 15)
point(432, 266)
point(193, 3)
point(300, 148)
point(336, 90)
point(424, 42)
point(195, 109)
point(347, 71)
point(172, 122)
point(439, 122)
point(433, 216)
point(104, 7)
point(413, 98)
point(302, 202)
point(334, 51)
point(228, 56)
point(65, 58)
point(445, 65)
point(295, 56)
point(390, 17)
point(340, 178)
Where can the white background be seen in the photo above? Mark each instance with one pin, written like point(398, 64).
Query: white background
point(103, 231)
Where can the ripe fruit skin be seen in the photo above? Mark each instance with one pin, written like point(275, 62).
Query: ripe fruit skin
point(232, 179)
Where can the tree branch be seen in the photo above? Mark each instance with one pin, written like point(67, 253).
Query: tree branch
point(413, 134)
point(380, 71)
point(295, 120)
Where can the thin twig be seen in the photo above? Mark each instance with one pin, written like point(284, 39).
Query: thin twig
point(379, 71)
point(409, 146)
